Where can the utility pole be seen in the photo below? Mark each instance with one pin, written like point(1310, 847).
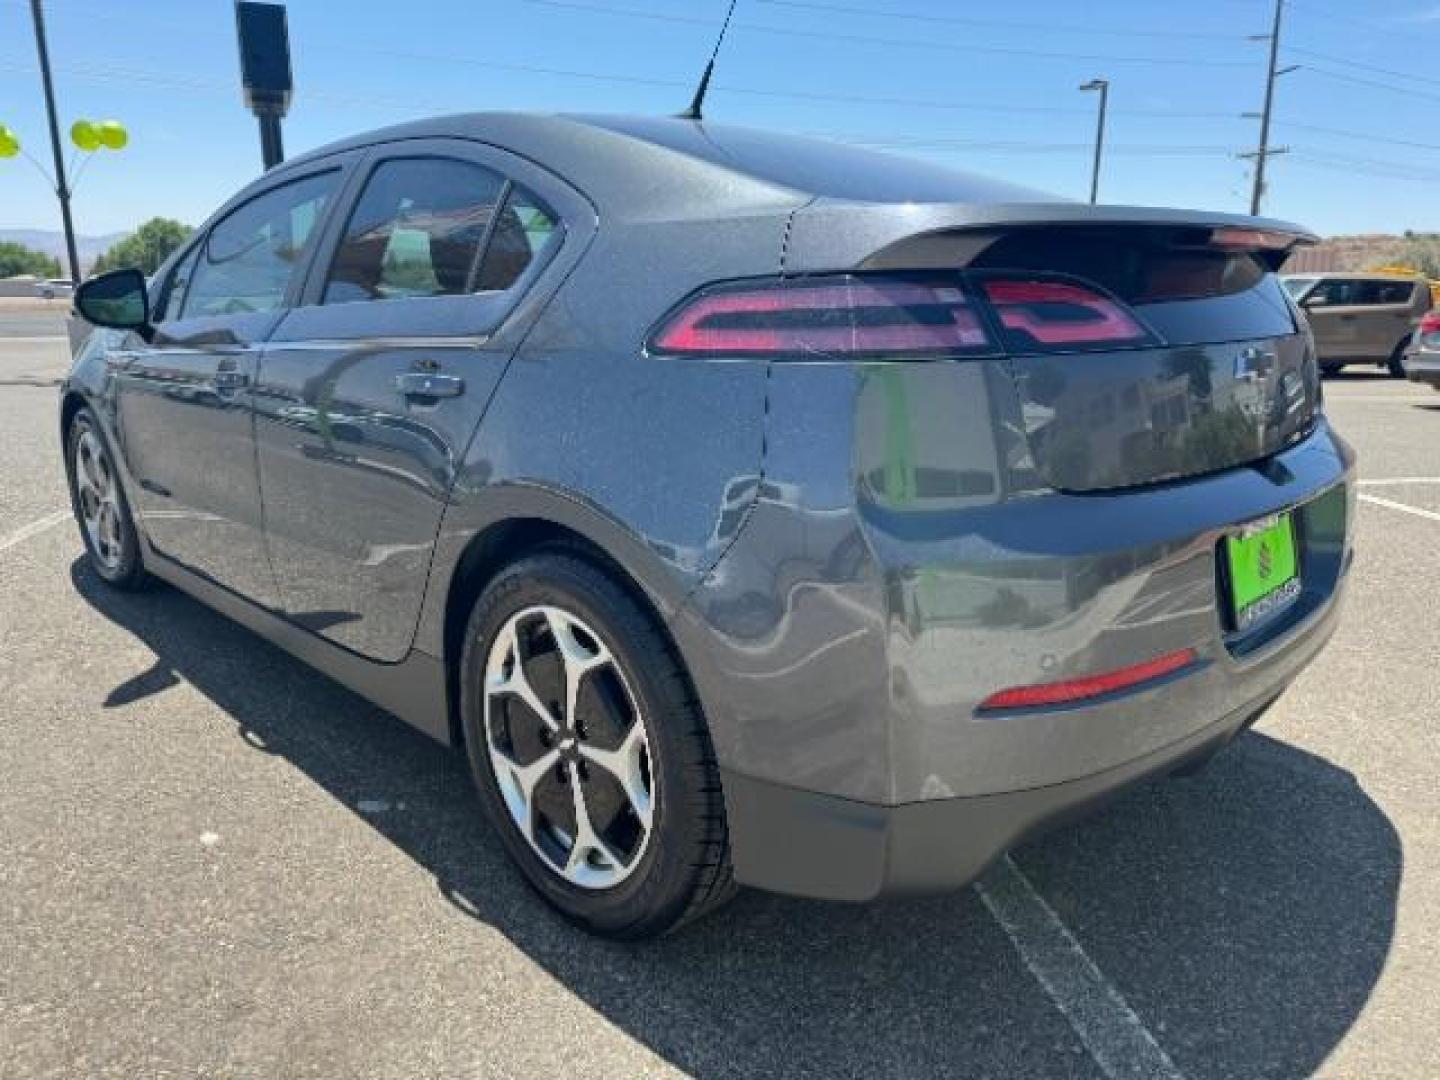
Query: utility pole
point(1262, 155)
point(1102, 85)
point(62, 186)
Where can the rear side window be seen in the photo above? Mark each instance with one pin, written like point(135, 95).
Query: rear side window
point(418, 230)
point(250, 258)
point(1385, 292)
point(524, 235)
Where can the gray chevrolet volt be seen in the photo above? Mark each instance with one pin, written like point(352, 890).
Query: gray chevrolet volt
point(751, 510)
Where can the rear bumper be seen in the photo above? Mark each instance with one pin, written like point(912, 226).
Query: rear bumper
point(1423, 366)
point(808, 844)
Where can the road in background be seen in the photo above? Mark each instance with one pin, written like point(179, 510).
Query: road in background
point(215, 861)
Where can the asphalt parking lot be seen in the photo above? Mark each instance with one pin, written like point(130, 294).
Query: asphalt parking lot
point(215, 862)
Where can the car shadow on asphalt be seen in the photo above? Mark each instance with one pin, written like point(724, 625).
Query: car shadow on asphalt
point(1245, 913)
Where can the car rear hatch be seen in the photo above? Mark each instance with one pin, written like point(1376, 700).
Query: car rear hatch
point(1144, 345)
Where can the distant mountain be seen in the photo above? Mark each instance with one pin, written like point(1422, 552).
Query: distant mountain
point(52, 242)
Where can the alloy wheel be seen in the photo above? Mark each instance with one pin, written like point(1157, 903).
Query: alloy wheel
point(98, 495)
point(567, 744)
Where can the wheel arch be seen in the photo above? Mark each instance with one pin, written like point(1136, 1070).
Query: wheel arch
point(498, 544)
point(70, 405)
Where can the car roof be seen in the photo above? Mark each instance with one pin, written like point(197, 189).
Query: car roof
point(614, 158)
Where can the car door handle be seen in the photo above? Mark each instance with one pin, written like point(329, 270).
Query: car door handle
point(230, 380)
point(428, 384)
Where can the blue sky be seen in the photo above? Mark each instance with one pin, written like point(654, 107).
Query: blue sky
point(988, 87)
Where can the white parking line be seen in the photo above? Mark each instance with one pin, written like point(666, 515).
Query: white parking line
point(1395, 481)
point(1404, 508)
point(25, 532)
point(1111, 1030)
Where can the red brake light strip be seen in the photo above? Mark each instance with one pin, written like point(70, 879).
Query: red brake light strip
point(1070, 691)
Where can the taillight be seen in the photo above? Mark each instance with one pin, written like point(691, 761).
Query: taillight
point(1071, 691)
point(831, 316)
point(1430, 323)
point(1040, 314)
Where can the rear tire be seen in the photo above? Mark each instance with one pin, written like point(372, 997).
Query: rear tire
point(97, 497)
point(614, 812)
point(1396, 363)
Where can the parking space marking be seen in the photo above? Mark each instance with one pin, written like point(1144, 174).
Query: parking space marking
point(1404, 508)
point(1111, 1030)
point(1396, 481)
point(35, 528)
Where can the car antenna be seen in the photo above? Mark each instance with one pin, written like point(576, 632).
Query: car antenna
point(698, 102)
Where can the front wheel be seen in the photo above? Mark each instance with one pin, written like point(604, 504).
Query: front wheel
point(112, 544)
point(589, 750)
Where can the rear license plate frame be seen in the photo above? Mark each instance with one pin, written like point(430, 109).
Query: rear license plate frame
point(1263, 571)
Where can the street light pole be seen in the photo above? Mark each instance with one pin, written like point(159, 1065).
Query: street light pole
point(62, 186)
point(1102, 85)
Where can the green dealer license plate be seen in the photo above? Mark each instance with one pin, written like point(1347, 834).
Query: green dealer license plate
point(1264, 570)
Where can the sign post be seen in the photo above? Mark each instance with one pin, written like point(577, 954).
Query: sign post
point(265, 70)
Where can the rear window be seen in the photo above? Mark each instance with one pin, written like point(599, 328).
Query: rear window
point(1186, 291)
point(1138, 265)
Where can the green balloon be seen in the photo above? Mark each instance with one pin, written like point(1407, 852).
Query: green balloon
point(112, 134)
point(84, 135)
point(9, 142)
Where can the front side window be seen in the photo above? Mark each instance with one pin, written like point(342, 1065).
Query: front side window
point(1336, 291)
point(250, 258)
point(173, 297)
point(416, 231)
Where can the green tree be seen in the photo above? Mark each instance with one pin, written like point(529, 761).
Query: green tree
point(1421, 251)
point(18, 259)
point(146, 248)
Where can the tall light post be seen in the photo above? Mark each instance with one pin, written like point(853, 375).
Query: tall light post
point(62, 187)
point(1103, 86)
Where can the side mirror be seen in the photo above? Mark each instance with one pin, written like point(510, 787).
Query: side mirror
point(118, 300)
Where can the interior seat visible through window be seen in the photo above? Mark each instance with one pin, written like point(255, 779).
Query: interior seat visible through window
point(423, 227)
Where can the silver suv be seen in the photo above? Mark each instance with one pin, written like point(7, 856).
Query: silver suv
point(1361, 318)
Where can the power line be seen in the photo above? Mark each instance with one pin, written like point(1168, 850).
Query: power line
point(114, 73)
point(1365, 136)
point(868, 40)
point(955, 20)
point(1372, 83)
point(1307, 7)
point(1394, 170)
point(1357, 64)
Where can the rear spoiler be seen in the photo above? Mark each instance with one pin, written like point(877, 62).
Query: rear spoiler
point(829, 234)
